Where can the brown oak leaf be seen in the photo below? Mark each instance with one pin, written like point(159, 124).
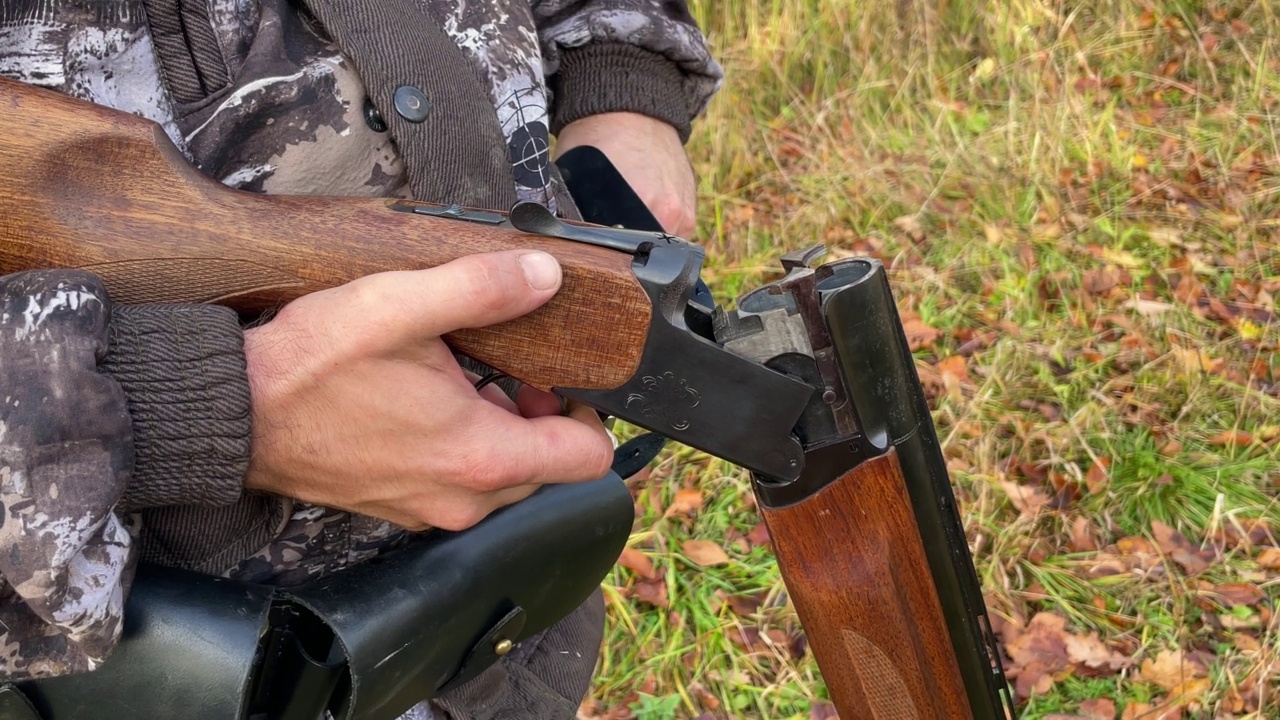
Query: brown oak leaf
point(1239, 593)
point(1170, 668)
point(1178, 548)
point(704, 553)
point(1094, 655)
point(1082, 536)
point(638, 563)
point(653, 592)
point(1027, 499)
point(1269, 559)
point(745, 605)
point(687, 502)
point(1097, 477)
point(919, 335)
point(1099, 709)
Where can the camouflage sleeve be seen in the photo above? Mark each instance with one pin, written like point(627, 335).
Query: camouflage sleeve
point(65, 458)
point(646, 56)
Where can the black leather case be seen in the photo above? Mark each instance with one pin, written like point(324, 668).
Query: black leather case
point(366, 643)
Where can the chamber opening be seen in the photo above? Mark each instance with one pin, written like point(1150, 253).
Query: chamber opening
point(843, 273)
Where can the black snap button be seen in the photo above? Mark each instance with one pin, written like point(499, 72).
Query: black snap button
point(411, 104)
point(373, 118)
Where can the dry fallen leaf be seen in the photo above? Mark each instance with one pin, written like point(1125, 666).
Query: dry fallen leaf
point(706, 698)
point(1147, 711)
point(1037, 654)
point(954, 374)
point(705, 553)
point(1100, 281)
point(1133, 545)
point(653, 592)
point(745, 605)
point(1028, 500)
point(638, 563)
point(687, 502)
point(1269, 559)
point(953, 366)
point(1170, 668)
point(747, 638)
point(1094, 655)
point(1099, 709)
point(911, 227)
point(1177, 547)
point(759, 535)
point(1231, 438)
point(1043, 641)
point(919, 335)
point(1239, 593)
point(1148, 308)
point(1097, 477)
point(1082, 536)
point(595, 710)
point(1188, 692)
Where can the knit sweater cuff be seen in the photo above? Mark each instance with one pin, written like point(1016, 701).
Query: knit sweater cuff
point(615, 77)
point(183, 373)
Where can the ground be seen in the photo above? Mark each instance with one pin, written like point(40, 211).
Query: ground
point(1080, 207)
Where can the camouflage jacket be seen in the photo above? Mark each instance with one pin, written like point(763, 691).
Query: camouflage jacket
point(100, 463)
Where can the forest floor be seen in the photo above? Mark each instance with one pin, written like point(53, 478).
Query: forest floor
point(1080, 206)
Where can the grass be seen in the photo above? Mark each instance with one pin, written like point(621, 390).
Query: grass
point(1084, 200)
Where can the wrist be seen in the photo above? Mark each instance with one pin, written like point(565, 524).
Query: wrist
point(261, 367)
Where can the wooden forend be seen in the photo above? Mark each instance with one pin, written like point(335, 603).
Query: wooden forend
point(854, 566)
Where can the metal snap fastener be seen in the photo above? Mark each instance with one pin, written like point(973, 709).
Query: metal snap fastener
point(373, 118)
point(411, 103)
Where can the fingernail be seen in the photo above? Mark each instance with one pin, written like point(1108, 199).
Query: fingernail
point(541, 270)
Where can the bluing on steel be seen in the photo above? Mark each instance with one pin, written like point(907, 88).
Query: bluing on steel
point(890, 409)
point(690, 389)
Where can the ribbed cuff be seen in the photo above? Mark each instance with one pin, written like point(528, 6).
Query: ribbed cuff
point(183, 373)
point(615, 77)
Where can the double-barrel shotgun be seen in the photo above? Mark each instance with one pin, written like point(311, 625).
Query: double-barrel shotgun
point(807, 382)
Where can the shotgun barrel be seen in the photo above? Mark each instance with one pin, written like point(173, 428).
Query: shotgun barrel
point(869, 539)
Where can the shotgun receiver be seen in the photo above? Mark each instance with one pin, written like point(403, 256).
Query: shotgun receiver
point(808, 383)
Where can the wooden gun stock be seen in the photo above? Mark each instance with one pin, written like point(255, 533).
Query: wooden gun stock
point(83, 186)
point(878, 629)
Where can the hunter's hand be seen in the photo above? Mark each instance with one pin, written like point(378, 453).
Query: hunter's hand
point(649, 155)
point(358, 404)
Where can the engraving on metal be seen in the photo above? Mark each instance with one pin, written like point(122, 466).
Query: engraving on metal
point(666, 397)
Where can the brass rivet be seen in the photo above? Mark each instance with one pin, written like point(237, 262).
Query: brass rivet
point(502, 647)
